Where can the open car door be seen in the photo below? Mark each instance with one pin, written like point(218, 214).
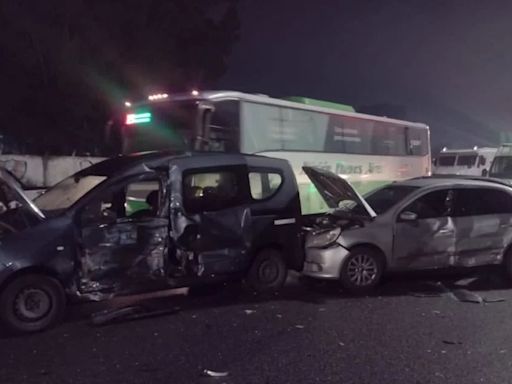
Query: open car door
point(212, 224)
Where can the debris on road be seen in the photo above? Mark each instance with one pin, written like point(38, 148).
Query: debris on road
point(279, 316)
point(497, 300)
point(299, 326)
point(341, 344)
point(466, 281)
point(465, 296)
point(430, 289)
point(249, 311)
point(209, 373)
point(127, 313)
point(451, 342)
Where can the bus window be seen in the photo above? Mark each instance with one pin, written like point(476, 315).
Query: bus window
point(225, 127)
point(267, 128)
point(388, 139)
point(446, 160)
point(466, 160)
point(417, 141)
point(349, 135)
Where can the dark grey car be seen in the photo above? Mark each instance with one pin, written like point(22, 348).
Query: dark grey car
point(423, 223)
point(91, 237)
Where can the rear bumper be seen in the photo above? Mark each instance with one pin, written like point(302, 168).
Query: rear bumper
point(324, 263)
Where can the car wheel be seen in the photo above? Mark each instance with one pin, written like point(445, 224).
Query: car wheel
point(362, 270)
point(31, 303)
point(268, 271)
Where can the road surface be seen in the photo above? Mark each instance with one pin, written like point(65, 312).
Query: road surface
point(303, 335)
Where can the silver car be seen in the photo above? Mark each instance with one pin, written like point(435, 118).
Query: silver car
point(421, 223)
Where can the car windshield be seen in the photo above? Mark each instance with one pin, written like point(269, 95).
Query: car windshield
point(501, 167)
point(384, 198)
point(64, 194)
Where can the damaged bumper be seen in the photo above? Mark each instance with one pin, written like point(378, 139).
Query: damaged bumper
point(324, 263)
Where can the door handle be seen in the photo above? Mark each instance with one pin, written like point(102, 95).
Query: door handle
point(505, 225)
point(445, 231)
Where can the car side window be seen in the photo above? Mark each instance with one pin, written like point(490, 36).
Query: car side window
point(264, 184)
point(135, 199)
point(431, 205)
point(482, 201)
point(211, 191)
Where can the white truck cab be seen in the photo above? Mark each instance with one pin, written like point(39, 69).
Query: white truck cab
point(474, 162)
point(501, 167)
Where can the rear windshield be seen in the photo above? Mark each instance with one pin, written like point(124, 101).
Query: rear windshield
point(446, 161)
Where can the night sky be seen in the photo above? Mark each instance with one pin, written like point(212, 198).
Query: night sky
point(449, 63)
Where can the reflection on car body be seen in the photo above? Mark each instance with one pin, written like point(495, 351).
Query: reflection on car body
point(419, 224)
point(148, 222)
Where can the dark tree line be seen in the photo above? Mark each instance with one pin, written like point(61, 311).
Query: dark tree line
point(67, 65)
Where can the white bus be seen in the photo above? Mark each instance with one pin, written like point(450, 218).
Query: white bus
point(369, 151)
point(474, 162)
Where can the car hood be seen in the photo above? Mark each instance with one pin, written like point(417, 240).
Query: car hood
point(13, 191)
point(335, 189)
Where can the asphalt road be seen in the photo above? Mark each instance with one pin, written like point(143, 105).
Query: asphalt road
point(303, 335)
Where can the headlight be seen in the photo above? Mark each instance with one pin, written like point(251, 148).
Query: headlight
point(322, 239)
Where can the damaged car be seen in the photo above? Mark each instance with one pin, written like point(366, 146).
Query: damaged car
point(144, 223)
point(417, 224)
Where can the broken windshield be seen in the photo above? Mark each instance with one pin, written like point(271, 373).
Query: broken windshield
point(64, 194)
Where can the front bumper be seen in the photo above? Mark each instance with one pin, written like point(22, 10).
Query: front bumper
point(324, 263)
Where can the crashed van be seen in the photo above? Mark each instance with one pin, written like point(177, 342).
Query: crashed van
point(146, 222)
point(416, 224)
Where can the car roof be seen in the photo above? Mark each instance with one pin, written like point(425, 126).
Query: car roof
point(432, 181)
point(157, 159)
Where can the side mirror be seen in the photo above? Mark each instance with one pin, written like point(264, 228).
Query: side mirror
point(408, 216)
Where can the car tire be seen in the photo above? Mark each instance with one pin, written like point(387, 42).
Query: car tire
point(31, 303)
point(268, 271)
point(362, 270)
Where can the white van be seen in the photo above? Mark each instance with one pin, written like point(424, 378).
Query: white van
point(474, 162)
point(501, 167)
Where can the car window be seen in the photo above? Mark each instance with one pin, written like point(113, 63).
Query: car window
point(137, 199)
point(211, 191)
point(263, 184)
point(141, 197)
point(383, 199)
point(433, 204)
point(482, 201)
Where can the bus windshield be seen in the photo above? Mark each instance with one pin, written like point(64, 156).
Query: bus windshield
point(165, 125)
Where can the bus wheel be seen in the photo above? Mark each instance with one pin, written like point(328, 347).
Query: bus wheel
point(268, 271)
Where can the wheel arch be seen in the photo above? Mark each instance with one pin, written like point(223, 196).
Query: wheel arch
point(374, 247)
point(32, 270)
